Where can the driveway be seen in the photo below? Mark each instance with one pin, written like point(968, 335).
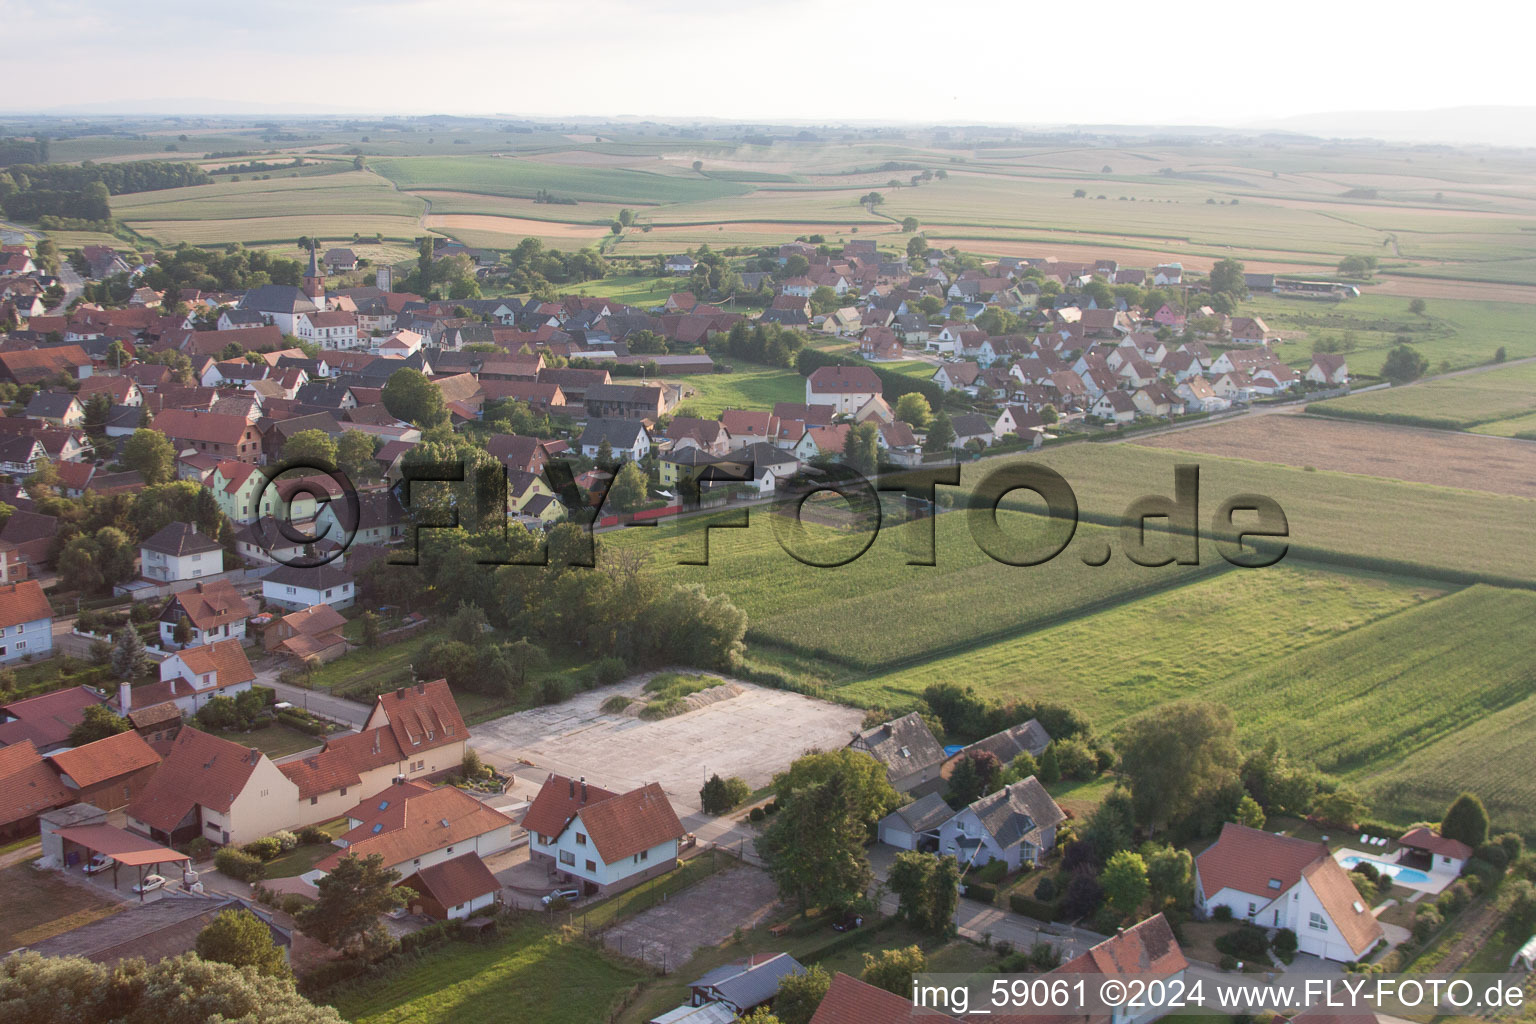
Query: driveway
point(753, 734)
point(705, 914)
point(338, 709)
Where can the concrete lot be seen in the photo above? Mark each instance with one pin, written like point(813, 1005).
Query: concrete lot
point(704, 915)
point(754, 734)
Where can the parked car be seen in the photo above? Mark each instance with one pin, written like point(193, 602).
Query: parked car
point(150, 883)
point(848, 922)
point(98, 863)
point(569, 895)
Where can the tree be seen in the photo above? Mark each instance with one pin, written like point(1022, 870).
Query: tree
point(311, 448)
point(1519, 903)
point(893, 969)
point(370, 629)
point(913, 408)
point(861, 450)
point(1343, 807)
point(909, 224)
point(1226, 278)
point(629, 491)
point(352, 896)
point(1124, 881)
point(1249, 812)
point(80, 565)
point(800, 994)
point(182, 634)
point(129, 658)
point(824, 300)
point(97, 723)
point(870, 790)
point(1404, 364)
point(1176, 755)
point(354, 454)
point(941, 433)
point(1417, 306)
point(1111, 828)
point(410, 396)
point(1050, 766)
point(1499, 355)
point(1466, 820)
point(911, 881)
point(604, 452)
point(916, 246)
point(1171, 873)
point(525, 658)
point(815, 846)
point(720, 795)
point(178, 990)
point(241, 939)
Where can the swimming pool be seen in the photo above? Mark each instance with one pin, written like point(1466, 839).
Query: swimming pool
point(1396, 872)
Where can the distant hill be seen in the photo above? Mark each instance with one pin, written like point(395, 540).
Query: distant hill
point(1494, 126)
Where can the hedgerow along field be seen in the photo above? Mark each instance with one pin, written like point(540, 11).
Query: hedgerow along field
point(528, 976)
point(1474, 400)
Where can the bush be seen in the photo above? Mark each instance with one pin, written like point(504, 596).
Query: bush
point(1514, 846)
point(992, 872)
point(609, 670)
point(1285, 942)
point(980, 892)
point(1227, 963)
point(1455, 898)
point(1045, 889)
point(285, 840)
point(329, 975)
point(313, 835)
point(1031, 907)
point(238, 864)
point(265, 848)
point(1246, 941)
point(771, 808)
point(1493, 854)
point(616, 705)
point(756, 814)
point(302, 722)
point(1222, 912)
point(198, 849)
point(1075, 760)
point(1426, 922)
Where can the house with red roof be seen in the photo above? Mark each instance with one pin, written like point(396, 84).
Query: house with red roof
point(214, 610)
point(26, 621)
point(414, 825)
point(107, 773)
point(845, 388)
point(192, 677)
point(217, 789)
point(28, 787)
point(46, 720)
point(1279, 881)
point(606, 841)
point(414, 732)
point(453, 889)
point(223, 436)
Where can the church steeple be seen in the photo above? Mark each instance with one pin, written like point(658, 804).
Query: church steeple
point(314, 283)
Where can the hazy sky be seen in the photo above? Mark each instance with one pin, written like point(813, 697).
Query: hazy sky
point(1195, 61)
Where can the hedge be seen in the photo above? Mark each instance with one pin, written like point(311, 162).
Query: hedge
point(238, 864)
point(1021, 903)
point(893, 384)
point(1396, 418)
point(303, 723)
point(980, 892)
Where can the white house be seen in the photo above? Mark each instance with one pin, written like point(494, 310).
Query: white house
point(627, 439)
point(415, 825)
point(1115, 406)
point(297, 587)
point(1328, 368)
point(179, 552)
point(453, 889)
point(602, 839)
point(214, 611)
point(917, 824)
point(1016, 825)
point(1279, 881)
point(26, 621)
point(332, 329)
point(846, 389)
point(1198, 396)
point(216, 789)
point(192, 677)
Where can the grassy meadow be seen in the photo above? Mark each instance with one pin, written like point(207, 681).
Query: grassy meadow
point(1482, 401)
point(528, 976)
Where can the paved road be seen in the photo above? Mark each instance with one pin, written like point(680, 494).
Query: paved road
point(321, 703)
point(73, 284)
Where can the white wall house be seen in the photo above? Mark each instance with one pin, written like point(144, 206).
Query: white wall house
point(1016, 825)
point(296, 588)
point(600, 838)
point(180, 552)
point(26, 621)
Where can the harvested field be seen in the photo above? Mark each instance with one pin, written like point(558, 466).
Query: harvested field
point(1441, 288)
point(515, 227)
point(1399, 453)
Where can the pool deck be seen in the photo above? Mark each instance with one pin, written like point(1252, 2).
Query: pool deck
point(1438, 880)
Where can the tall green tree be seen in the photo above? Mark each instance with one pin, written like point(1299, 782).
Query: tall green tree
point(1404, 364)
point(1124, 881)
point(893, 969)
point(1466, 820)
point(865, 779)
point(129, 658)
point(410, 396)
point(861, 449)
point(800, 995)
point(1175, 755)
point(241, 939)
point(941, 434)
point(311, 448)
point(815, 846)
point(629, 491)
point(352, 896)
point(354, 454)
point(913, 408)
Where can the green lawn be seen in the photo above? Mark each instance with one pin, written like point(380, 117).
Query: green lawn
point(749, 386)
point(529, 976)
point(1493, 397)
point(276, 740)
point(366, 663)
point(305, 856)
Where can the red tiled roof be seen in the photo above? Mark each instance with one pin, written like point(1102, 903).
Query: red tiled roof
point(455, 882)
point(47, 719)
point(1146, 948)
point(202, 426)
point(23, 602)
point(411, 823)
point(199, 770)
point(1342, 903)
point(105, 759)
point(27, 784)
point(830, 380)
point(558, 801)
point(851, 1001)
point(1248, 859)
point(210, 605)
point(225, 660)
point(423, 716)
point(1423, 838)
point(627, 824)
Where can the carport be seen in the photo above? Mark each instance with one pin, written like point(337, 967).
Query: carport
point(123, 847)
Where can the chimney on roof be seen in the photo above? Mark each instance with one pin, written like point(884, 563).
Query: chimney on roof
point(255, 755)
point(421, 687)
point(400, 693)
point(124, 697)
point(583, 789)
point(573, 787)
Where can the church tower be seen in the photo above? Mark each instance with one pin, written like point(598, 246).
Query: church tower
point(314, 283)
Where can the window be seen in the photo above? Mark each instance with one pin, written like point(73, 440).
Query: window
point(1252, 909)
point(450, 849)
point(591, 867)
point(568, 858)
point(21, 645)
point(21, 628)
point(1317, 922)
point(313, 800)
point(581, 840)
point(645, 855)
point(343, 790)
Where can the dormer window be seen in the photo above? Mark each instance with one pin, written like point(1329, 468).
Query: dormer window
point(1274, 883)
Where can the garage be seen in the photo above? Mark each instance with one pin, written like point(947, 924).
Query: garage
point(916, 826)
point(142, 857)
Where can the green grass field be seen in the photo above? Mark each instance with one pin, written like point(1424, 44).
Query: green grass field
point(1482, 400)
point(523, 178)
point(748, 387)
point(527, 977)
point(1168, 646)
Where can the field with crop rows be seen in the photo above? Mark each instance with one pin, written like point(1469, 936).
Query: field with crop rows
point(1471, 400)
point(523, 178)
